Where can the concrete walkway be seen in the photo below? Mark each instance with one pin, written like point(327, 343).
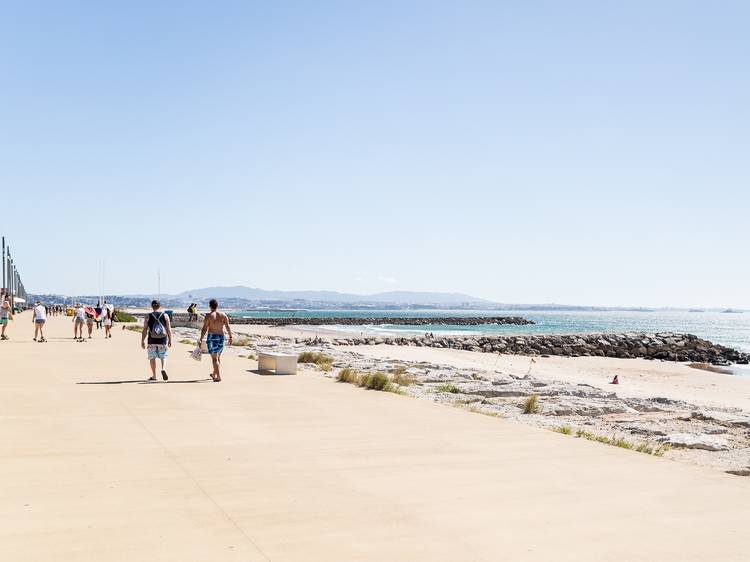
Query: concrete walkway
point(97, 466)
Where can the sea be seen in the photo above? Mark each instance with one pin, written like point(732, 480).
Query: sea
point(730, 329)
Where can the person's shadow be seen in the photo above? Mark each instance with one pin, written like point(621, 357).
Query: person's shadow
point(143, 381)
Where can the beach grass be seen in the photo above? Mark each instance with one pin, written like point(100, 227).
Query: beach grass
point(370, 381)
point(402, 378)
point(645, 448)
point(375, 381)
point(484, 412)
point(312, 357)
point(564, 429)
point(448, 388)
point(531, 405)
point(348, 375)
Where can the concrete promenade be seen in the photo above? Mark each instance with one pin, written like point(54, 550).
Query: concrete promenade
point(96, 465)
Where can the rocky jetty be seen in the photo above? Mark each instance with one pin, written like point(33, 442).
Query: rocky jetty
point(376, 321)
point(666, 346)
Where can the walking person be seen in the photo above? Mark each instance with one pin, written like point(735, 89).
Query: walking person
point(38, 318)
point(159, 331)
point(214, 323)
point(98, 318)
point(107, 322)
point(79, 319)
point(6, 314)
point(89, 322)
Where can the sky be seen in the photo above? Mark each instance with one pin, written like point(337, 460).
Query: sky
point(590, 153)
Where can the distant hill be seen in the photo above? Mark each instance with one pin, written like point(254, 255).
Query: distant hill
point(393, 297)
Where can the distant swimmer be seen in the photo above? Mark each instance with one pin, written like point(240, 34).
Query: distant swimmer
point(6, 314)
point(79, 319)
point(214, 323)
point(159, 331)
point(39, 317)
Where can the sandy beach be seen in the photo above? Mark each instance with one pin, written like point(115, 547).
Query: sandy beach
point(98, 465)
point(639, 378)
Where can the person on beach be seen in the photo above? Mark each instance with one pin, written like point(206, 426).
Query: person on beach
point(79, 319)
point(214, 323)
point(107, 322)
point(6, 314)
point(39, 317)
point(159, 331)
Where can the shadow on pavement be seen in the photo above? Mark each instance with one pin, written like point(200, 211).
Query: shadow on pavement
point(143, 381)
point(267, 373)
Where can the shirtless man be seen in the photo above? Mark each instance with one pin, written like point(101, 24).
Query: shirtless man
point(214, 324)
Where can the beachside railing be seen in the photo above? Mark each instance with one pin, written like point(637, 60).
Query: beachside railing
point(12, 284)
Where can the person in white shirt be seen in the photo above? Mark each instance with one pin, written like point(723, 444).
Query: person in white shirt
point(79, 319)
point(6, 314)
point(39, 318)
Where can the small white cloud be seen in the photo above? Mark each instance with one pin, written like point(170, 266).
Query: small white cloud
point(385, 279)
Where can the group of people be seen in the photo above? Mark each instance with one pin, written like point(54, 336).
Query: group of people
point(156, 338)
point(101, 315)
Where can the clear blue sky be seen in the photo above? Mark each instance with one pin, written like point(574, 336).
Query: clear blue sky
point(574, 152)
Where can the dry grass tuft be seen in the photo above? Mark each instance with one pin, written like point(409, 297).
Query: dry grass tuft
point(348, 375)
point(375, 381)
point(314, 358)
point(531, 405)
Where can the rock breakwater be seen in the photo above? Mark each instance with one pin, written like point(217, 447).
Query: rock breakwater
point(665, 346)
point(376, 321)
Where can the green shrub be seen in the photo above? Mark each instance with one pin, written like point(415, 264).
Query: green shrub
point(449, 388)
point(375, 381)
point(564, 429)
point(531, 405)
point(122, 316)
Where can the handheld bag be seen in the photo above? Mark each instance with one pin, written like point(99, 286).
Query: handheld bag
point(196, 354)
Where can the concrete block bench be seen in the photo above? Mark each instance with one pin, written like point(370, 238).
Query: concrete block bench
point(280, 363)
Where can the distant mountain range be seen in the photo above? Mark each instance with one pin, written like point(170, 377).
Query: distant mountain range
point(391, 297)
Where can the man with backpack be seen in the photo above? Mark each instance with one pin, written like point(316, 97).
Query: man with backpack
point(159, 331)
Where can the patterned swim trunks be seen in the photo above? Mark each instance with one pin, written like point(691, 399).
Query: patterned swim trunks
point(156, 351)
point(215, 343)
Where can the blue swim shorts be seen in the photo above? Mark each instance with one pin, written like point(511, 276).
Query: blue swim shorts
point(156, 351)
point(215, 343)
